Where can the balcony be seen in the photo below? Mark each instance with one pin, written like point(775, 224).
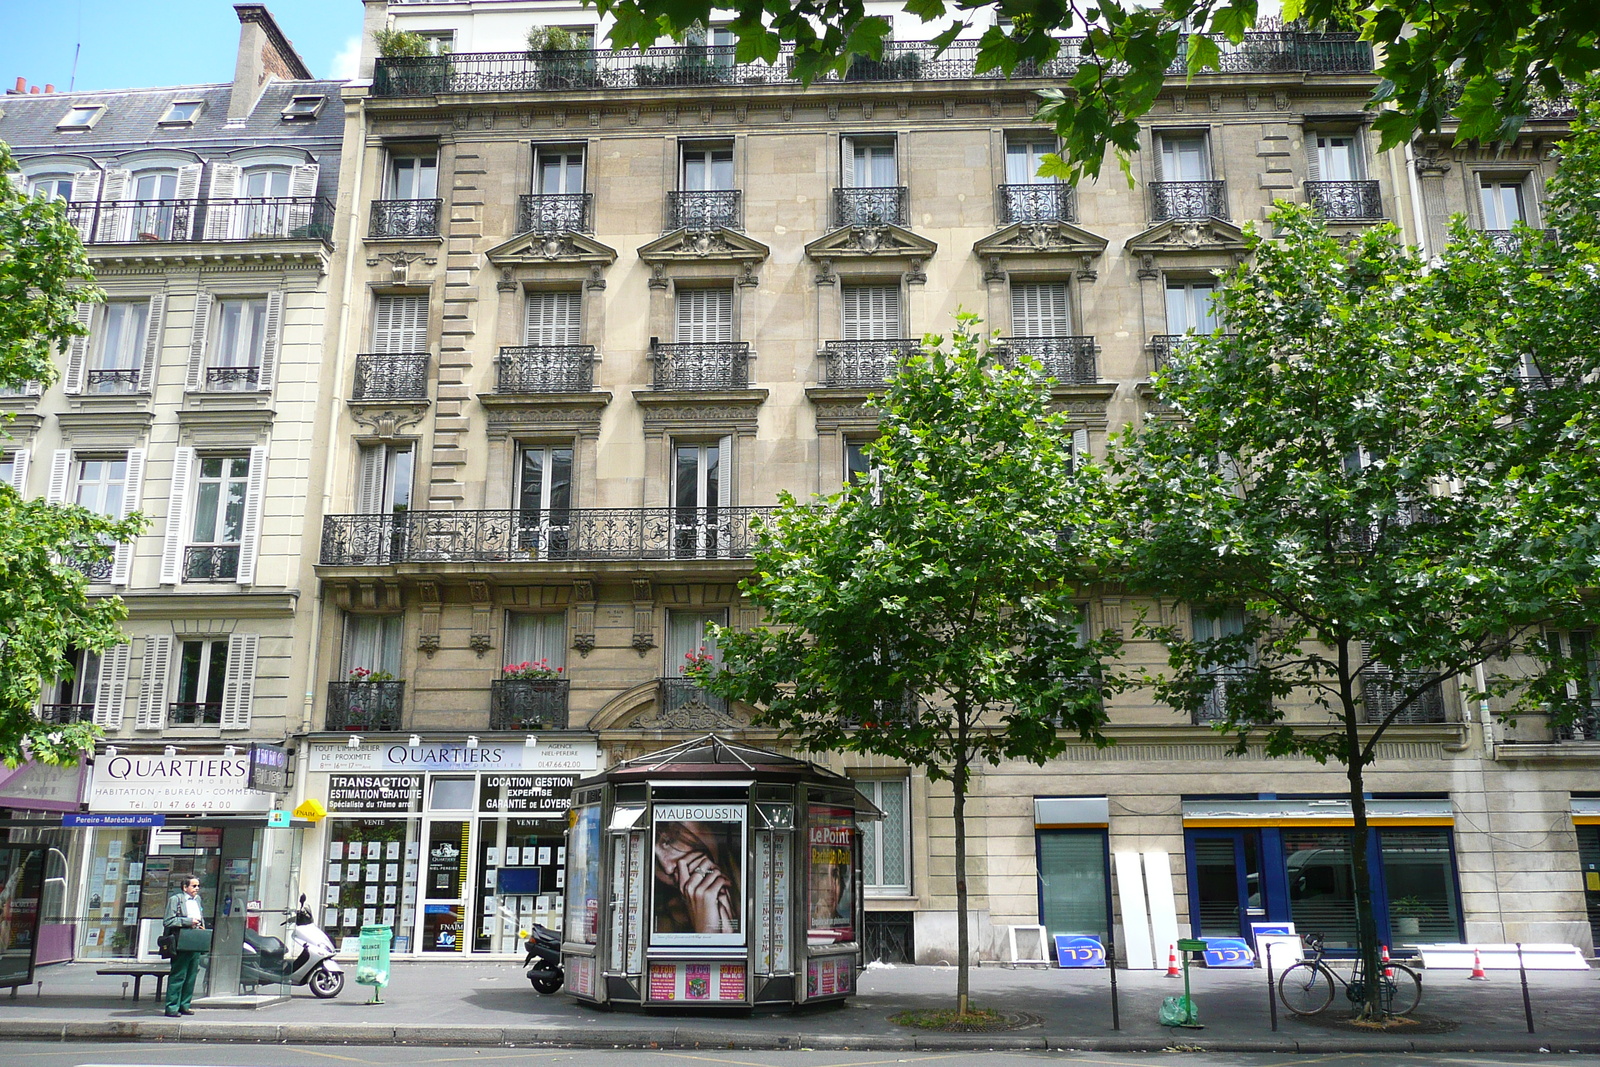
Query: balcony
point(96, 570)
point(700, 366)
point(705, 210)
point(240, 219)
point(1214, 707)
point(1188, 200)
point(869, 207)
point(391, 376)
point(865, 364)
point(529, 369)
point(623, 534)
point(194, 713)
point(1068, 359)
point(1510, 242)
point(677, 694)
point(405, 218)
point(1165, 346)
point(700, 65)
point(1585, 727)
point(528, 704)
point(1345, 201)
point(211, 563)
point(105, 382)
point(553, 212)
point(1381, 691)
point(65, 714)
point(232, 379)
point(1038, 202)
point(357, 706)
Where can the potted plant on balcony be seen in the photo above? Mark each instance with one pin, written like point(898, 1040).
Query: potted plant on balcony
point(904, 66)
point(417, 70)
point(1408, 913)
point(696, 64)
point(530, 677)
point(561, 59)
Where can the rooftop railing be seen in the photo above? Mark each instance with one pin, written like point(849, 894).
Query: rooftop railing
point(280, 218)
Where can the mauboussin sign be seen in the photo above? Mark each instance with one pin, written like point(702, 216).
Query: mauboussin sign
point(174, 784)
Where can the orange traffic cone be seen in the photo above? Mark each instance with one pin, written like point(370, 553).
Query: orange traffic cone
point(1172, 962)
point(1477, 974)
point(1388, 971)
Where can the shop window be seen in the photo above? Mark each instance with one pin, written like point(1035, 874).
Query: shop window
point(1226, 882)
point(1073, 885)
point(524, 873)
point(1589, 862)
point(1419, 881)
point(1321, 884)
point(886, 845)
point(371, 875)
point(453, 794)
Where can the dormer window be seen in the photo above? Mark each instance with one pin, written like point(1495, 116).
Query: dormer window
point(304, 107)
point(182, 113)
point(81, 117)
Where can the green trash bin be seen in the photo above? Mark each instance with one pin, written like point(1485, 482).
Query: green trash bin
point(372, 966)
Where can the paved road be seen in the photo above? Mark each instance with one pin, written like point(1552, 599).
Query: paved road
point(146, 1055)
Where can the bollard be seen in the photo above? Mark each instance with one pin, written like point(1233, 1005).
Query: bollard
point(1272, 1000)
point(1111, 965)
point(1527, 1005)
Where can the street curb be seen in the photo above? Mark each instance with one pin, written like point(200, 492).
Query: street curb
point(681, 1038)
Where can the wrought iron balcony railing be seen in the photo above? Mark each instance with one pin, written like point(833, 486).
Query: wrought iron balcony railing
point(238, 219)
point(705, 209)
point(555, 535)
point(553, 212)
point(405, 218)
point(700, 366)
point(232, 379)
point(1382, 691)
point(194, 713)
point(1188, 200)
point(1510, 242)
point(1164, 346)
point(854, 364)
point(1068, 359)
point(1216, 703)
point(682, 694)
point(1345, 200)
point(96, 570)
point(528, 704)
point(358, 706)
point(700, 65)
point(545, 369)
point(121, 380)
point(1584, 727)
point(210, 563)
point(65, 714)
point(391, 376)
point(1038, 202)
point(870, 207)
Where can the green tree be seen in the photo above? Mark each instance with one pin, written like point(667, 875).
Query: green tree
point(928, 612)
point(1369, 465)
point(1484, 61)
point(45, 610)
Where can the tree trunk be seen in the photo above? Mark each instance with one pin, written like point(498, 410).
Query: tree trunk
point(1360, 871)
point(958, 782)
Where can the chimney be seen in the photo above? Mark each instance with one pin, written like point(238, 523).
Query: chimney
point(22, 86)
point(34, 91)
point(264, 54)
point(49, 88)
point(374, 17)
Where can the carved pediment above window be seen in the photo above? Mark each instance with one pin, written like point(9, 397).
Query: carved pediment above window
point(1189, 235)
point(1041, 239)
point(871, 242)
point(715, 245)
point(560, 246)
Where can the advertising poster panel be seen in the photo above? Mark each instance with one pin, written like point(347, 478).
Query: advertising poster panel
point(21, 886)
point(830, 905)
point(699, 874)
point(583, 876)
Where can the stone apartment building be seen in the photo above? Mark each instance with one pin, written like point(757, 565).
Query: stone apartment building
point(197, 400)
point(603, 306)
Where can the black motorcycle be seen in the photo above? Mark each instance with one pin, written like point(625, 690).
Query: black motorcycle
point(543, 962)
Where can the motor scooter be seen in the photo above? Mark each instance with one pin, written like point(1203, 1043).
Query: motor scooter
point(543, 962)
point(306, 959)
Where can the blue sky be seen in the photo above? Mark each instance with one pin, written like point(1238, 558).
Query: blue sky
point(132, 43)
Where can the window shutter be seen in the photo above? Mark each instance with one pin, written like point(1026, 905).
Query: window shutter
point(1313, 157)
point(250, 527)
point(705, 316)
point(239, 686)
point(85, 189)
point(303, 179)
point(224, 186)
point(153, 682)
point(177, 514)
point(1160, 158)
point(112, 691)
point(19, 469)
point(122, 557)
point(153, 328)
point(725, 473)
point(78, 351)
point(1039, 309)
point(400, 325)
point(188, 190)
point(197, 338)
point(115, 225)
point(553, 319)
point(1080, 447)
point(847, 162)
point(369, 489)
point(871, 312)
point(59, 465)
point(271, 339)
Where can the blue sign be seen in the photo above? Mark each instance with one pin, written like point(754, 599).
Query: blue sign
point(1228, 952)
point(98, 819)
point(1079, 950)
point(278, 818)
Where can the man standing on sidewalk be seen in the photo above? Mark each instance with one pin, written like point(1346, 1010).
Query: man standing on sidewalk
point(183, 912)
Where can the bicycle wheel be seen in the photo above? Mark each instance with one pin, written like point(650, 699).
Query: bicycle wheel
point(1407, 990)
point(1306, 988)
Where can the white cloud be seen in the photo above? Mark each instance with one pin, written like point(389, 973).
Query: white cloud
point(348, 60)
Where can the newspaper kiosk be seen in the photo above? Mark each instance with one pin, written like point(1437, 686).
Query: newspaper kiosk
point(714, 874)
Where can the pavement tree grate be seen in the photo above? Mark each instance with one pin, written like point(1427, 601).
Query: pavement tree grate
point(943, 1021)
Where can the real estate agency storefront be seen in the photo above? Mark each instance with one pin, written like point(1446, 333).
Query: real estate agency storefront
point(453, 845)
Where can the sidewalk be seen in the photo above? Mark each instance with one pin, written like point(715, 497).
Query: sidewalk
point(491, 1004)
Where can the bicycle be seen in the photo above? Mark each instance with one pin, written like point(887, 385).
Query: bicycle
point(1306, 988)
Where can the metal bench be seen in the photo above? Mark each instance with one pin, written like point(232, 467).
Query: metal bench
point(139, 972)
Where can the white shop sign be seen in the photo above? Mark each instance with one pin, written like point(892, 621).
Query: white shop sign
point(546, 756)
point(174, 784)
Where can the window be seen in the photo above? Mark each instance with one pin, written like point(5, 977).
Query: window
point(1183, 158)
point(372, 642)
point(553, 319)
point(440, 42)
point(1215, 625)
point(1502, 201)
point(1073, 884)
point(705, 316)
point(240, 338)
point(182, 113)
point(559, 169)
point(414, 176)
point(1333, 157)
point(202, 677)
point(1039, 309)
point(385, 482)
point(119, 350)
point(1576, 652)
point(265, 182)
point(871, 312)
point(868, 163)
point(857, 464)
point(544, 499)
point(1189, 307)
point(886, 845)
point(80, 117)
point(707, 168)
point(72, 699)
point(155, 185)
point(701, 488)
point(304, 108)
point(400, 325)
point(51, 186)
point(221, 489)
point(98, 484)
point(1024, 156)
point(535, 638)
point(687, 636)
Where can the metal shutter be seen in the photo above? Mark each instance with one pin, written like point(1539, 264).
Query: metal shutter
point(552, 319)
point(871, 312)
point(400, 325)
